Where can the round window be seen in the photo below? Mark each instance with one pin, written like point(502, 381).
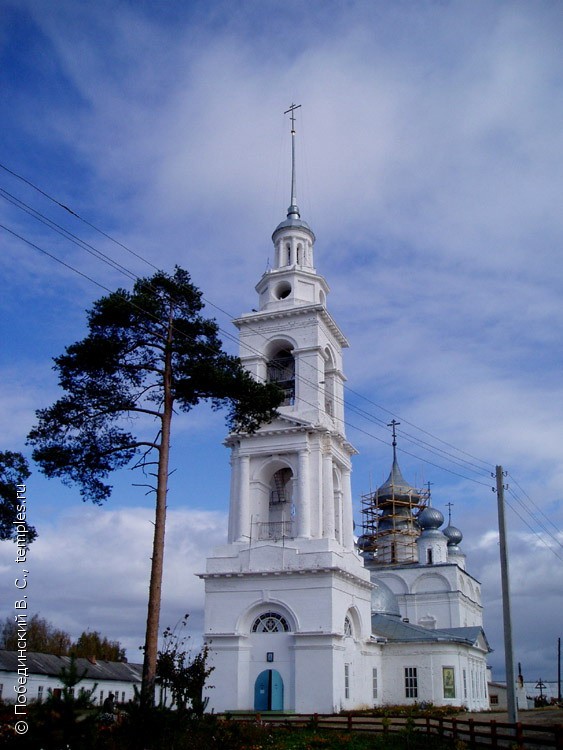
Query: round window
point(282, 290)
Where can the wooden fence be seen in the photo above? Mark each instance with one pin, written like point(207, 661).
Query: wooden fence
point(475, 734)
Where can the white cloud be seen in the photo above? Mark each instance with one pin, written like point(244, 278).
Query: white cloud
point(429, 160)
point(89, 569)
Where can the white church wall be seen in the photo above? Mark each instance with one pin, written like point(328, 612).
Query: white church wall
point(434, 665)
point(444, 592)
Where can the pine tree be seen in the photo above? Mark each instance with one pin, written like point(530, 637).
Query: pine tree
point(150, 352)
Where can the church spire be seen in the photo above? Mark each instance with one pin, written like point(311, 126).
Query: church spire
point(293, 210)
point(393, 424)
point(293, 226)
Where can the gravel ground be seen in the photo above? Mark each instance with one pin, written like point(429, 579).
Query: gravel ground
point(545, 716)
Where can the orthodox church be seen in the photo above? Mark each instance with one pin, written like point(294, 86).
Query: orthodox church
point(299, 616)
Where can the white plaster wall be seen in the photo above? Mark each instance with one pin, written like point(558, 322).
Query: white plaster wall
point(48, 682)
point(429, 658)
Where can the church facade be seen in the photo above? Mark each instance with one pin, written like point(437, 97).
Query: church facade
point(297, 616)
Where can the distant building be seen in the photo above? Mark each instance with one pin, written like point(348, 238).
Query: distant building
point(43, 676)
point(295, 617)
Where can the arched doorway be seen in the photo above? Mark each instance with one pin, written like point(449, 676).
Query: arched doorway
point(268, 691)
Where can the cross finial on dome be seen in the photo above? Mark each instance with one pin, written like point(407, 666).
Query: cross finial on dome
point(393, 424)
point(293, 210)
point(428, 485)
point(449, 507)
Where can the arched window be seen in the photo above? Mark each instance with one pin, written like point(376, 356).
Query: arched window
point(281, 370)
point(270, 622)
point(279, 492)
point(329, 380)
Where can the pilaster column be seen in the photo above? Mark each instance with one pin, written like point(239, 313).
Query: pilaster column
point(328, 494)
point(233, 519)
point(243, 525)
point(304, 496)
point(347, 512)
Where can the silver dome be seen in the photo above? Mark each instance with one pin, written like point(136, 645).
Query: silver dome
point(454, 535)
point(430, 518)
point(384, 601)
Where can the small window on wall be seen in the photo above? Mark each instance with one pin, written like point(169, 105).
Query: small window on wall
point(374, 683)
point(448, 682)
point(494, 700)
point(346, 681)
point(411, 682)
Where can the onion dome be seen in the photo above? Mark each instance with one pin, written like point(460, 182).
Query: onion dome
point(366, 547)
point(384, 601)
point(396, 487)
point(396, 498)
point(430, 518)
point(454, 535)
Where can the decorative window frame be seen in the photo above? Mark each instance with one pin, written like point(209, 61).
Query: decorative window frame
point(270, 622)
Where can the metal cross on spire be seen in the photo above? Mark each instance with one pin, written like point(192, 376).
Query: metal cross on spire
point(449, 507)
point(393, 424)
point(292, 109)
point(293, 210)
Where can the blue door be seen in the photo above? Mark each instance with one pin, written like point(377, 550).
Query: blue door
point(268, 691)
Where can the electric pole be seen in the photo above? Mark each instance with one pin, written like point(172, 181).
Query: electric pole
point(506, 616)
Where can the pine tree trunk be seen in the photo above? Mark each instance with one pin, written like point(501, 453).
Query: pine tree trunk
point(157, 566)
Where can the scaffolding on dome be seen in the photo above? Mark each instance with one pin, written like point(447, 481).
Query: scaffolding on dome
point(390, 527)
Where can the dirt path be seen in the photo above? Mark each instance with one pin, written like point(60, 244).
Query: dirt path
point(545, 716)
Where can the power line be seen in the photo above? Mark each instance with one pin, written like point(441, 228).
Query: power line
point(75, 214)
point(102, 286)
point(98, 254)
point(486, 466)
point(533, 531)
point(455, 460)
point(538, 522)
point(535, 505)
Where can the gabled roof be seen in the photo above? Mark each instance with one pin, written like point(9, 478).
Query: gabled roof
point(49, 664)
point(398, 631)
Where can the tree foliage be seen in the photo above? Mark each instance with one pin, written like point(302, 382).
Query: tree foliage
point(185, 676)
point(148, 352)
point(42, 636)
point(120, 369)
point(45, 638)
point(14, 472)
point(92, 643)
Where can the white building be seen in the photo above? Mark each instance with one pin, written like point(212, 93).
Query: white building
point(289, 601)
point(44, 671)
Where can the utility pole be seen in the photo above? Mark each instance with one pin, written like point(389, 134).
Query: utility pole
point(506, 616)
point(559, 670)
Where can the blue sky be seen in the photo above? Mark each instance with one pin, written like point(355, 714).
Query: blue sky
point(429, 166)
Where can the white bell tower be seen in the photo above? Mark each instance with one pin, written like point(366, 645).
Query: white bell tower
point(287, 611)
